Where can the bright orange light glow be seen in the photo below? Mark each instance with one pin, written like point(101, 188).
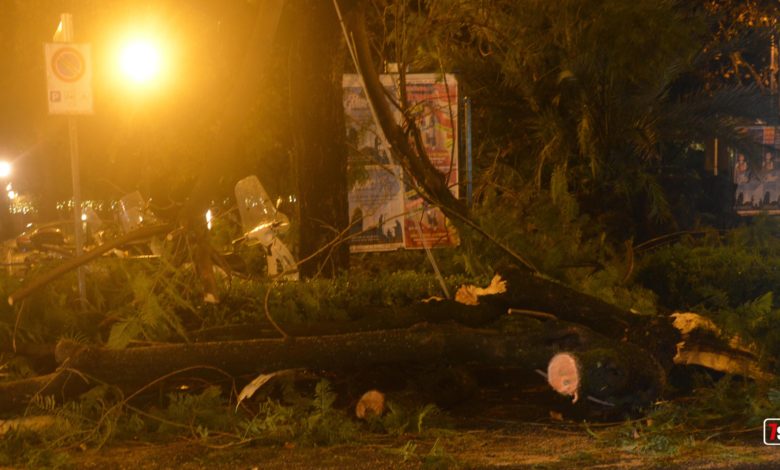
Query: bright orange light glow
point(5, 169)
point(141, 61)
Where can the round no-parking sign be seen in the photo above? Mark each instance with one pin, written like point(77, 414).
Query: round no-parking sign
point(68, 64)
point(69, 78)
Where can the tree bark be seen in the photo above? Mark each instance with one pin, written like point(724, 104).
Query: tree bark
point(420, 344)
point(623, 378)
point(132, 368)
point(319, 135)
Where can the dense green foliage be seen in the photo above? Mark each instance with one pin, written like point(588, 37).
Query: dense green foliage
point(714, 270)
point(605, 98)
point(157, 301)
point(291, 413)
point(732, 278)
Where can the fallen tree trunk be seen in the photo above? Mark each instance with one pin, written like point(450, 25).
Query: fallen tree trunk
point(654, 333)
point(617, 366)
point(422, 344)
point(604, 375)
point(387, 318)
point(608, 355)
point(523, 293)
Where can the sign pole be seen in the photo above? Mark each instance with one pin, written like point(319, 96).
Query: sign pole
point(73, 137)
point(65, 34)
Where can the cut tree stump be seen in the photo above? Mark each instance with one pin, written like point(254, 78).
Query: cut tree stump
point(620, 378)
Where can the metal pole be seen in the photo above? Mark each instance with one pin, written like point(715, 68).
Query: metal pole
point(469, 156)
point(73, 136)
point(773, 69)
point(715, 157)
point(66, 32)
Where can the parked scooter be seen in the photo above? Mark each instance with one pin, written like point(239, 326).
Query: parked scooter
point(262, 224)
point(36, 245)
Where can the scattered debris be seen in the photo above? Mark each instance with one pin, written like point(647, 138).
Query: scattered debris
point(470, 294)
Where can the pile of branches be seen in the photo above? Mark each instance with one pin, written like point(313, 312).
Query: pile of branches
point(602, 357)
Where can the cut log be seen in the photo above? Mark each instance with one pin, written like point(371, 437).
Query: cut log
point(420, 344)
point(609, 365)
point(133, 368)
point(625, 379)
point(372, 403)
point(564, 375)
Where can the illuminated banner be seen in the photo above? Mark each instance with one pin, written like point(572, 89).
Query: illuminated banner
point(69, 78)
point(757, 173)
point(386, 211)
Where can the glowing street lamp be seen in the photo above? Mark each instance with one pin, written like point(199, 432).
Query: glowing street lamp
point(140, 61)
point(5, 169)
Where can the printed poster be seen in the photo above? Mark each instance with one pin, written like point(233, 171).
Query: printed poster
point(434, 106)
point(378, 208)
point(757, 173)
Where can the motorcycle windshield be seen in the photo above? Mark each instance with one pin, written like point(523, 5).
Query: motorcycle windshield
point(257, 211)
point(131, 213)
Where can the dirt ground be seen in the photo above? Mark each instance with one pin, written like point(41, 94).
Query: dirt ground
point(519, 446)
point(491, 431)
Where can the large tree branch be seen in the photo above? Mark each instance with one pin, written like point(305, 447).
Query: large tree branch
point(432, 184)
point(417, 164)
